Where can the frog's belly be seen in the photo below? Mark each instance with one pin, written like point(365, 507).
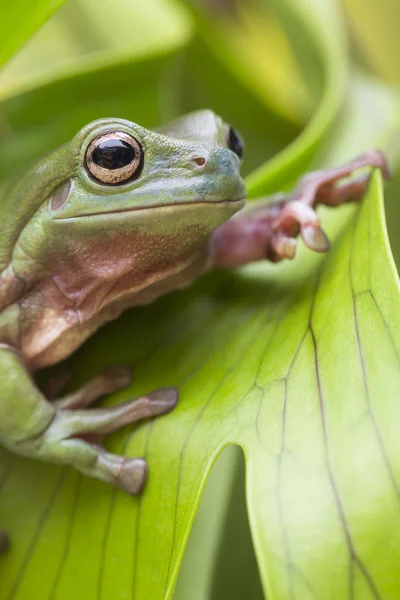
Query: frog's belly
point(56, 337)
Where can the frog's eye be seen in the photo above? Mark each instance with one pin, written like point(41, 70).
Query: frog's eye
point(235, 142)
point(114, 157)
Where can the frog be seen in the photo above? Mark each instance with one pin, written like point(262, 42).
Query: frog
point(113, 219)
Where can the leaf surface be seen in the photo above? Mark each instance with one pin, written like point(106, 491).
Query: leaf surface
point(19, 20)
point(296, 363)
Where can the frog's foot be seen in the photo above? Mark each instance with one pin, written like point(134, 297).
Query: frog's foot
point(268, 229)
point(297, 215)
point(4, 542)
point(63, 432)
point(72, 436)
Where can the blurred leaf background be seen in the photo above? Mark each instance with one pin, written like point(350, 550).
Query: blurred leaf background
point(308, 83)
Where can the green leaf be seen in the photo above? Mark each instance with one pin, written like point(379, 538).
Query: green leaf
point(20, 20)
point(205, 81)
point(293, 376)
point(219, 560)
point(324, 61)
point(128, 79)
point(282, 361)
point(149, 87)
point(83, 32)
point(321, 53)
point(375, 28)
point(296, 363)
point(31, 124)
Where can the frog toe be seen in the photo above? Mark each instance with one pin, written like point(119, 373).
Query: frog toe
point(93, 460)
point(133, 475)
point(73, 438)
point(74, 423)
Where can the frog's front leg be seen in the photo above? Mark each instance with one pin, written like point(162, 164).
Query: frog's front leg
point(268, 229)
point(65, 432)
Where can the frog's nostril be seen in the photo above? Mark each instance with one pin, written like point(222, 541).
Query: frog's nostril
point(200, 161)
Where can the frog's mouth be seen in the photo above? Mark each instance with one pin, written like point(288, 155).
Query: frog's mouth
point(236, 204)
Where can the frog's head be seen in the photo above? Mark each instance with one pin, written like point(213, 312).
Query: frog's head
point(116, 183)
point(123, 167)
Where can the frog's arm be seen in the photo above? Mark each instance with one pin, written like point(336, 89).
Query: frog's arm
point(60, 431)
point(266, 229)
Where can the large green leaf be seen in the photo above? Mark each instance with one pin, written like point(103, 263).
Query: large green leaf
point(129, 80)
point(321, 53)
point(296, 363)
point(83, 32)
point(287, 367)
point(375, 28)
point(149, 87)
point(19, 20)
point(219, 560)
point(366, 98)
point(31, 124)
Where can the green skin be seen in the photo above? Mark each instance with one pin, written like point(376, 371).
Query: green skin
point(76, 252)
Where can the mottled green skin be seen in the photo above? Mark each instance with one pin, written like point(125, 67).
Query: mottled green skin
point(65, 272)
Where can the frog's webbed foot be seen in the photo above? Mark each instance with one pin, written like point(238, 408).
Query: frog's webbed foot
point(4, 541)
point(297, 215)
point(268, 229)
point(74, 435)
point(68, 433)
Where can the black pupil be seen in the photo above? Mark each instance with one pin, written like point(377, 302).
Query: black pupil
point(113, 154)
point(235, 142)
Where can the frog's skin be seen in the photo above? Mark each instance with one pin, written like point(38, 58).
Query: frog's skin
point(79, 244)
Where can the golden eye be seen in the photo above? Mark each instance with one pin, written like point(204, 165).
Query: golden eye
point(114, 157)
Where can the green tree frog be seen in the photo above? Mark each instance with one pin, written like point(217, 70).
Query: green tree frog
point(115, 218)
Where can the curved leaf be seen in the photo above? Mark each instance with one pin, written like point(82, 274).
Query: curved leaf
point(298, 364)
point(375, 27)
point(219, 560)
point(21, 19)
point(321, 53)
point(293, 376)
point(31, 124)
